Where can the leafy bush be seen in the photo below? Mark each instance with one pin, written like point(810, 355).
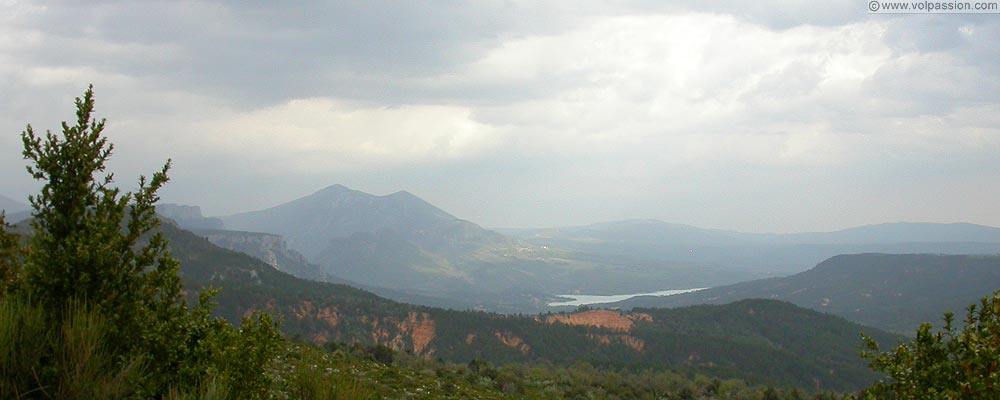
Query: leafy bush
point(947, 364)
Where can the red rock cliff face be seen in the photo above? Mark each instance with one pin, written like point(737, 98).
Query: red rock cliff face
point(416, 331)
point(421, 329)
point(607, 319)
point(417, 328)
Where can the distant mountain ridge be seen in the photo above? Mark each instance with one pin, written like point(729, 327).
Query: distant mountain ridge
point(898, 232)
point(895, 292)
point(651, 230)
point(762, 253)
point(420, 253)
point(188, 217)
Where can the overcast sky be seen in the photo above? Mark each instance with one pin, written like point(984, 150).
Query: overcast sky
point(765, 116)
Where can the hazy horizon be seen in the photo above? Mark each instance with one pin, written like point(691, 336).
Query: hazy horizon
point(587, 223)
point(762, 117)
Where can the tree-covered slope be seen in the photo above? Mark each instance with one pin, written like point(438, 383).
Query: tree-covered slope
point(763, 340)
point(890, 291)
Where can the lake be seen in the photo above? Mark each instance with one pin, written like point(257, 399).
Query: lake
point(584, 299)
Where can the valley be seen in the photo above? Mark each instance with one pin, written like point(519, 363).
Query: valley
point(757, 340)
point(420, 280)
point(437, 287)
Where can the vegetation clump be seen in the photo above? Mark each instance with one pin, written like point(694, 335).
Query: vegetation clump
point(946, 364)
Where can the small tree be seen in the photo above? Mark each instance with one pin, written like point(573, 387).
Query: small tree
point(85, 242)
point(94, 255)
point(947, 364)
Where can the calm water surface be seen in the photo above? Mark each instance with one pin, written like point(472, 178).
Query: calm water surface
point(584, 299)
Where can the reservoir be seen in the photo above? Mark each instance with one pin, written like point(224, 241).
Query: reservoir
point(584, 299)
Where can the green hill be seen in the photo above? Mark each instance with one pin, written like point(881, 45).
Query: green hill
point(895, 292)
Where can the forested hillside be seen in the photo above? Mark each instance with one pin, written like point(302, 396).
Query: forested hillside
point(759, 340)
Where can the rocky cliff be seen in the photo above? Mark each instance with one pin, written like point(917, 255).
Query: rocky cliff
point(267, 247)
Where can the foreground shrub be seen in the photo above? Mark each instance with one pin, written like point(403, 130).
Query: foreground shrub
point(92, 305)
point(948, 364)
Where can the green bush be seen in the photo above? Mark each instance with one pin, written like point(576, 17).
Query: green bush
point(947, 364)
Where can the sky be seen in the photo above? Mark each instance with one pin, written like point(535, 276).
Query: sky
point(766, 116)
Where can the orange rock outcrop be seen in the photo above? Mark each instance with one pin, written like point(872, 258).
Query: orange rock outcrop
point(608, 319)
point(418, 327)
point(421, 331)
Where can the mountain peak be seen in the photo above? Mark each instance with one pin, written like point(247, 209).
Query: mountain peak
point(335, 188)
point(402, 194)
point(309, 223)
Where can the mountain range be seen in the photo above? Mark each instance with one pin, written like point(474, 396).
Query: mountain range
point(762, 253)
point(400, 246)
point(763, 340)
point(406, 248)
point(398, 242)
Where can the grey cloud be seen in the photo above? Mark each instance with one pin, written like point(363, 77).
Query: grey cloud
point(265, 52)
point(616, 150)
